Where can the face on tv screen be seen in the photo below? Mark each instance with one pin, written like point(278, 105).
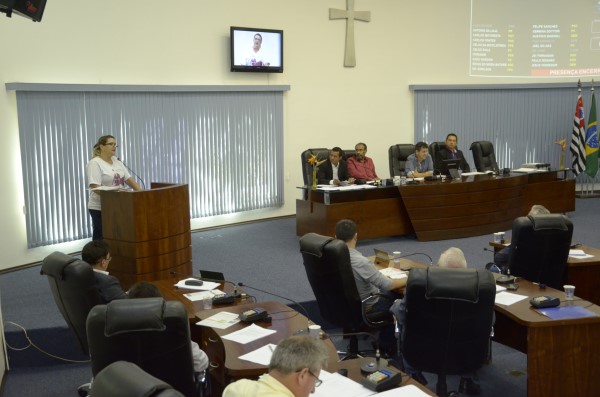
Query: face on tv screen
point(256, 50)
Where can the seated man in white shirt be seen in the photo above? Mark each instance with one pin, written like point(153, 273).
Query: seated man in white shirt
point(294, 371)
point(419, 164)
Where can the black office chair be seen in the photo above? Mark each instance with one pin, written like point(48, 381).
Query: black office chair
point(539, 248)
point(151, 332)
point(435, 147)
point(327, 265)
point(484, 157)
point(321, 153)
point(397, 155)
point(125, 379)
point(74, 291)
point(449, 319)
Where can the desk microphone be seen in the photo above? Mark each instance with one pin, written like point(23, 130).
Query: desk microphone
point(489, 250)
point(136, 175)
point(236, 294)
point(416, 253)
point(282, 297)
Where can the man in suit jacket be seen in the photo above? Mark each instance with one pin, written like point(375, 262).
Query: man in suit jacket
point(334, 171)
point(451, 152)
point(96, 254)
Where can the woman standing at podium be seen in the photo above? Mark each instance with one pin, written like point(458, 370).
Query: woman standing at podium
point(105, 169)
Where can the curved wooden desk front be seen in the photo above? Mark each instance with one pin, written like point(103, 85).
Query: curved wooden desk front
point(472, 206)
point(482, 204)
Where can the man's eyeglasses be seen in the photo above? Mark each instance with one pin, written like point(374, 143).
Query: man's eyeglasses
point(318, 381)
point(111, 144)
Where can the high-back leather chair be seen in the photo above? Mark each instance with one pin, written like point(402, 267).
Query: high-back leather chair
point(483, 156)
point(539, 248)
point(150, 332)
point(321, 153)
point(449, 315)
point(74, 291)
point(435, 147)
point(397, 155)
point(327, 265)
point(125, 379)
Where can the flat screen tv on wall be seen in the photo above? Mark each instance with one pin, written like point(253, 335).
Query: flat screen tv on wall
point(256, 50)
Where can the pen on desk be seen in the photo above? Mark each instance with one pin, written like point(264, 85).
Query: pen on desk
point(271, 348)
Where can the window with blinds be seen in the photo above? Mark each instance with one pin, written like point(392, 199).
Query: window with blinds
point(226, 145)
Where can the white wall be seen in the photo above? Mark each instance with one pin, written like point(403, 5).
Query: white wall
point(186, 42)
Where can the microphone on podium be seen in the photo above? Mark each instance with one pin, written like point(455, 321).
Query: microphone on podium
point(136, 175)
point(282, 297)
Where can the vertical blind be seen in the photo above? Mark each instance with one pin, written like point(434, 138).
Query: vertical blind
point(228, 146)
point(522, 122)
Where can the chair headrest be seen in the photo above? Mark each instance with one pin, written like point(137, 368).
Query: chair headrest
point(313, 244)
point(455, 284)
point(134, 315)
point(548, 222)
point(54, 264)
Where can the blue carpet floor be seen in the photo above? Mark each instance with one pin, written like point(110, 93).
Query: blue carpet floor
point(264, 255)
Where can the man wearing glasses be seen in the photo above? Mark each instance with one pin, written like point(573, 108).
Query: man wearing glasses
point(293, 371)
point(96, 254)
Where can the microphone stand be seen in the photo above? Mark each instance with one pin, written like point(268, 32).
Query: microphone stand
point(416, 253)
point(136, 175)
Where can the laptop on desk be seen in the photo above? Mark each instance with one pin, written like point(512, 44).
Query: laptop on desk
point(382, 257)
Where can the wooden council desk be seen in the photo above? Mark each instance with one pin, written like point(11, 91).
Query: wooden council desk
point(584, 274)
point(563, 356)
point(227, 367)
point(472, 206)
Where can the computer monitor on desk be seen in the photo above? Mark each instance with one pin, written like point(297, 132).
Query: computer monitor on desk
point(450, 168)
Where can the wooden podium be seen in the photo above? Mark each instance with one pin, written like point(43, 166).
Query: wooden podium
point(148, 232)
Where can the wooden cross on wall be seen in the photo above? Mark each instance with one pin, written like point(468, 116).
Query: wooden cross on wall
point(350, 15)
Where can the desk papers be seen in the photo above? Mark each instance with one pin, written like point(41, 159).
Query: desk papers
point(529, 170)
point(248, 334)
point(338, 385)
point(507, 298)
point(206, 285)
point(220, 320)
point(563, 312)
point(404, 391)
point(198, 296)
point(261, 355)
point(579, 254)
point(500, 288)
point(393, 273)
point(329, 188)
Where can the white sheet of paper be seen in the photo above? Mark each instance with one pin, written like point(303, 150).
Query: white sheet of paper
point(579, 254)
point(500, 288)
point(508, 298)
point(206, 285)
point(248, 334)
point(404, 391)
point(338, 385)
point(198, 296)
point(220, 320)
point(393, 273)
point(261, 356)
